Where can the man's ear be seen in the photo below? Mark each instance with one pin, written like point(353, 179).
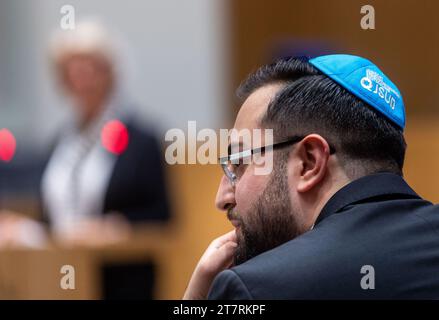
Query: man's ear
point(313, 155)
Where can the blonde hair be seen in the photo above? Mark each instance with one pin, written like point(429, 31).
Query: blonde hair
point(88, 37)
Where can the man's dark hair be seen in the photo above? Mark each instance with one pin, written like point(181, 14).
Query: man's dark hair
point(310, 102)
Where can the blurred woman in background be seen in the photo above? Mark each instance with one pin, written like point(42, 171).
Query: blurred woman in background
point(104, 172)
point(91, 191)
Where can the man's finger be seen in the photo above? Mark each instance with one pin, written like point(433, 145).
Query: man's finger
point(229, 236)
point(224, 256)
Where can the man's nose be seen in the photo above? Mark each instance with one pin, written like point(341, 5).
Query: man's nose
point(225, 197)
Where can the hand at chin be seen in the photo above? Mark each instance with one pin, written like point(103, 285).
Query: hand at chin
point(217, 257)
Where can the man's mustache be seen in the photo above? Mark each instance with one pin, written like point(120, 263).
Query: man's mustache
point(233, 215)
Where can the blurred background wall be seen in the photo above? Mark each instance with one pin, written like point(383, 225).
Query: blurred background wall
point(185, 58)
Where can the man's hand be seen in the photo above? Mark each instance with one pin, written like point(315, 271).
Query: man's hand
point(217, 257)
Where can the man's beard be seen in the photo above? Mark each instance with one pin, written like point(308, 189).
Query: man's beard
point(271, 221)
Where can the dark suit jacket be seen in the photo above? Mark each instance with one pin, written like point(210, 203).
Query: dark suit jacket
point(377, 221)
point(137, 187)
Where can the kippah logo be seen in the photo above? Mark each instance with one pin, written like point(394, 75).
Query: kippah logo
point(374, 83)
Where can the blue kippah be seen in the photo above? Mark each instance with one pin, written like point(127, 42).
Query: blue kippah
point(363, 79)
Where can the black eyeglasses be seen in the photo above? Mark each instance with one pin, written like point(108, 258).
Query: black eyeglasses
point(227, 163)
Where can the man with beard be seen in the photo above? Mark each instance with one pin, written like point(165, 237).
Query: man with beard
point(335, 218)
